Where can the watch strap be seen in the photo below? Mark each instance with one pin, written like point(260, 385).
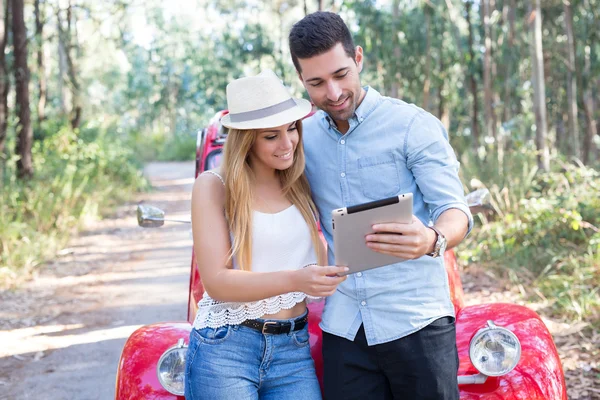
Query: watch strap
point(438, 242)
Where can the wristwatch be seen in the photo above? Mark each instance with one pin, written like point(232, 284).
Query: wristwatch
point(440, 244)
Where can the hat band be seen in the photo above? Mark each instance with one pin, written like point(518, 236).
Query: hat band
point(262, 112)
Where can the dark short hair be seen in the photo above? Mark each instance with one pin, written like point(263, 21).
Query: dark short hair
point(318, 33)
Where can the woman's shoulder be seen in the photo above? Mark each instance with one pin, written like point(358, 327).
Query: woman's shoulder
point(209, 186)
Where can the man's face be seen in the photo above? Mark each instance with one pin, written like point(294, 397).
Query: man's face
point(333, 83)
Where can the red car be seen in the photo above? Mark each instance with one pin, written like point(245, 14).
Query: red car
point(505, 350)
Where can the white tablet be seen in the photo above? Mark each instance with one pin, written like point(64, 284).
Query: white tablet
point(352, 224)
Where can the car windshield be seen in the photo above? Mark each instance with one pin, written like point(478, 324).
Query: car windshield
point(213, 159)
point(223, 131)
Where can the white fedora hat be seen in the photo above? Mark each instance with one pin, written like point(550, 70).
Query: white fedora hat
point(262, 101)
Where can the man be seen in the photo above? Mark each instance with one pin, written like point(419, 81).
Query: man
point(387, 332)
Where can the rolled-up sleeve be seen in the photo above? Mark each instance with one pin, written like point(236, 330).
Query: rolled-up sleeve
point(434, 165)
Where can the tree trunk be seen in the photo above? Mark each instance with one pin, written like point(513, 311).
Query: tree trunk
point(443, 111)
point(4, 83)
point(72, 69)
point(597, 150)
point(63, 93)
point(42, 85)
point(539, 86)
point(66, 38)
point(592, 130)
point(494, 74)
point(396, 76)
point(560, 130)
point(488, 95)
point(589, 109)
point(427, 83)
point(320, 5)
point(573, 134)
point(509, 12)
point(24, 131)
point(472, 81)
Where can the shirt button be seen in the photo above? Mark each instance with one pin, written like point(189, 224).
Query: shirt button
point(359, 274)
point(363, 303)
point(343, 174)
point(342, 141)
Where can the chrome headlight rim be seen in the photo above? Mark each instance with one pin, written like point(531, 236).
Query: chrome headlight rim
point(491, 326)
point(180, 346)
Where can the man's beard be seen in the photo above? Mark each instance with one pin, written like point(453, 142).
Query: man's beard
point(346, 113)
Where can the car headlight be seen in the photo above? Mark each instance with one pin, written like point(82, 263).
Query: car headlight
point(171, 368)
point(494, 350)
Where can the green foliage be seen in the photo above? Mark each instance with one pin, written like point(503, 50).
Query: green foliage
point(174, 148)
point(544, 232)
point(178, 148)
point(77, 175)
point(177, 83)
point(160, 147)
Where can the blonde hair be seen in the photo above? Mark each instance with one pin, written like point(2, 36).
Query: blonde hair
point(238, 176)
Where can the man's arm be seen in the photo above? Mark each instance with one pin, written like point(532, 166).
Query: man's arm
point(433, 164)
point(454, 224)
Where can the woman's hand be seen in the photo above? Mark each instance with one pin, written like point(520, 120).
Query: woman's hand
point(317, 280)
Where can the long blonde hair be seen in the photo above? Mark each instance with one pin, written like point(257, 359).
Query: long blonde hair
point(238, 176)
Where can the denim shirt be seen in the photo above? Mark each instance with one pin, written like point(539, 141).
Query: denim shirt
point(390, 148)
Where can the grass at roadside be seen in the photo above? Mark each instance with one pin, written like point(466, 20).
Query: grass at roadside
point(78, 175)
point(543, 233)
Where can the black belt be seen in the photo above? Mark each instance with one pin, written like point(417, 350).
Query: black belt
point(276, 327)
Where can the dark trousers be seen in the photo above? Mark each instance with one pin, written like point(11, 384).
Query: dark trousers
point(420, 366)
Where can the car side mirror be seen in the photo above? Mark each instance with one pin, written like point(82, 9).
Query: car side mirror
point(153, 217)
point(479, 201)
point(150, 216)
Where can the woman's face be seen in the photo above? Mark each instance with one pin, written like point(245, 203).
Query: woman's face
point(275, 147)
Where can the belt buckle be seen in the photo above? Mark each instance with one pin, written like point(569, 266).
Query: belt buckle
point(266, 324)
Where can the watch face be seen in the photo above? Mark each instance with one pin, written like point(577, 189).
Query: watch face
point(443, 244)
point(443, 247)
point(440, 246)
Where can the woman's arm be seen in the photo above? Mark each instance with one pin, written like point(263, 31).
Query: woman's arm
point(212, 245)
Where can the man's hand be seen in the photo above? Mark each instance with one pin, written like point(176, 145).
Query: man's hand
point(408, 241)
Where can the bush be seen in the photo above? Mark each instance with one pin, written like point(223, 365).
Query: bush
point(178, 148)
point(160, 147)
point(544, 231)
point(76, 174)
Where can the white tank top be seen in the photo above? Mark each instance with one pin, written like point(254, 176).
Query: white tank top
point(280, 242)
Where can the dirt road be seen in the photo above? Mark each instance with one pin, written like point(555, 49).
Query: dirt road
point(61, 335)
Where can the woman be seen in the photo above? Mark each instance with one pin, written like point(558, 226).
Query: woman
point(257, 247)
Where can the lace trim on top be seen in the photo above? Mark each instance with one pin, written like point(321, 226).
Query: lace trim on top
point(214, 314)
point(215, 174)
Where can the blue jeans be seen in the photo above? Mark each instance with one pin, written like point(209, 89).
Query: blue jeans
point(237, 362)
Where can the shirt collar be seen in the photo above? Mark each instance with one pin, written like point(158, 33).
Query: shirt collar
point(368, 104)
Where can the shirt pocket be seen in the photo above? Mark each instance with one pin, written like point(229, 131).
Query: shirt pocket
point(379, 177)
